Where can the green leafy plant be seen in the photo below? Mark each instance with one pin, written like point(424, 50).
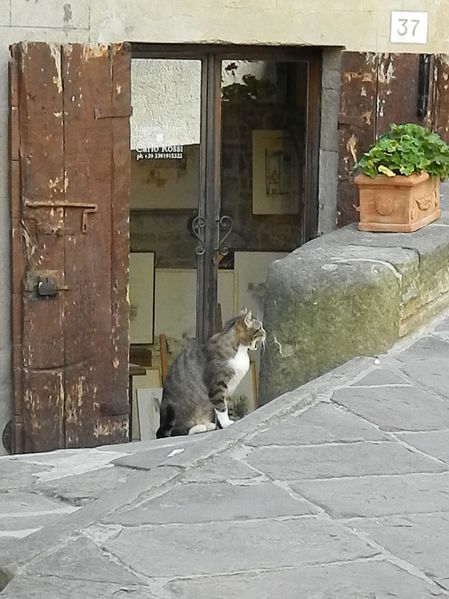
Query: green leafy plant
point(405, 150)
point(251, 89)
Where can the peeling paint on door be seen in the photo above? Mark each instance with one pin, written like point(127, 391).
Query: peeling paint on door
point(69, 212)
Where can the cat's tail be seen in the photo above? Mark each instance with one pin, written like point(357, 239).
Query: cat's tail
point(167, 422)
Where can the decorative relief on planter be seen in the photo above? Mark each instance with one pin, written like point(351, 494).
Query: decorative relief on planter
point(397, 204)
point(384, 206)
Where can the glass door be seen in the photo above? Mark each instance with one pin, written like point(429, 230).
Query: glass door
point(223, 181)
point(266, 187)
point(175, 227)
point(166, 230)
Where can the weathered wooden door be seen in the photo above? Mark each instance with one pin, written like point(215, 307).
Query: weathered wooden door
point(69, 153)
point(376, 90)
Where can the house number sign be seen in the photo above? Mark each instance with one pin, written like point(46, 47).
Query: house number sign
point(408, 27)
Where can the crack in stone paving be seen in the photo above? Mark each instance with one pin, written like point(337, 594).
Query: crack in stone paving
point(394, 559)
point(269, 570)
point(344, 523)
point(394, 435)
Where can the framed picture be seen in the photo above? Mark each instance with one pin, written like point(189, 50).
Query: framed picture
point(141, 296)
point(148, 409)
point(144, 411)
point(251, 270)
point(275, 173)
point(176, 300)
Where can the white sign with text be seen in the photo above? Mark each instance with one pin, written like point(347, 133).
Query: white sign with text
point(408, 27)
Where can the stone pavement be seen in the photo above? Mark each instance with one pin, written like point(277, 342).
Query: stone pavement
point(338, 490)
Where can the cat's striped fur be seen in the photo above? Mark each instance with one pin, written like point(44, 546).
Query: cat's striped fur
point(202, 377)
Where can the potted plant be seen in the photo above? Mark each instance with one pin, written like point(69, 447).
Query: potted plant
point(399, 181)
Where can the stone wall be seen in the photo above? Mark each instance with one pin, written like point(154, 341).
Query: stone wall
point(350, 294)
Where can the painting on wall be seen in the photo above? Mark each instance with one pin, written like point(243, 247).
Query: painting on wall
point(141, 296)
point(176, 318)
point(275, 173)
point(251, 269)
point(148, 401)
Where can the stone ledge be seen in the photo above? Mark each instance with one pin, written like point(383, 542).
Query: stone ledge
point(347, 294)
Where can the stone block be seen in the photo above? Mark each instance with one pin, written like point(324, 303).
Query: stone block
point(17, 474)
point(25, 510)
point(330, 105)
point(331, 80)
point(397, 408)
point(332, 59)
point(433, 377)
point(420, 539)
point(434, 443)
point(327, 194)
point(91, 563)
point(339, 460)
point(22, 504)
point(82, 489)
point(221, 469)
point(52, 587)
point(349, 293)
point(213, 502)
point(321, 309)
point(367, 580)
point(372, 496)
point(322, 423)
point(225, 547)
point(381, 377)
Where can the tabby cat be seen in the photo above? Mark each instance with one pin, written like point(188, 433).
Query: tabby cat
point(202, 377)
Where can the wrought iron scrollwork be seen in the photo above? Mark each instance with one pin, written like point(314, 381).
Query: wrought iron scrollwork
point(199, 223)
point(224, 226)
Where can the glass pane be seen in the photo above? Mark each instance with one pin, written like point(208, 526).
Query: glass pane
point(165, 146)
point(264, 124)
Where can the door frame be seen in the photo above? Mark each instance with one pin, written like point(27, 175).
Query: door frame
point(210, 150)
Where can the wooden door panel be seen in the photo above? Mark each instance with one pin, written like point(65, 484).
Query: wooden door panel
point(43, 409)
point(441, 88)
point(42, 180)
point(73, 356)
point(356, 124)
point(120, 105)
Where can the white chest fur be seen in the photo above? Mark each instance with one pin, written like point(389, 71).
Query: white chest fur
point(240, 365)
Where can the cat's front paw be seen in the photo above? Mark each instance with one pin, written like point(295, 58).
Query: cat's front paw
point(223, 418)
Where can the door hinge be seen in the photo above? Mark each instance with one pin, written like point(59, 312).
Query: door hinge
point(110, 113)
point(87, 208)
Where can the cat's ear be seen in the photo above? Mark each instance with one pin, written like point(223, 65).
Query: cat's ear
point(248, 318)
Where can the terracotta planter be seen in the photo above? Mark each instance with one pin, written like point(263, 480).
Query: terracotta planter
point(397, 204)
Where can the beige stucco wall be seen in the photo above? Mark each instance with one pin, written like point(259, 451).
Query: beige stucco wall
point(354, 24)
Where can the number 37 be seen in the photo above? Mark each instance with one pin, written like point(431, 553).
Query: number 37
point(405, 26)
